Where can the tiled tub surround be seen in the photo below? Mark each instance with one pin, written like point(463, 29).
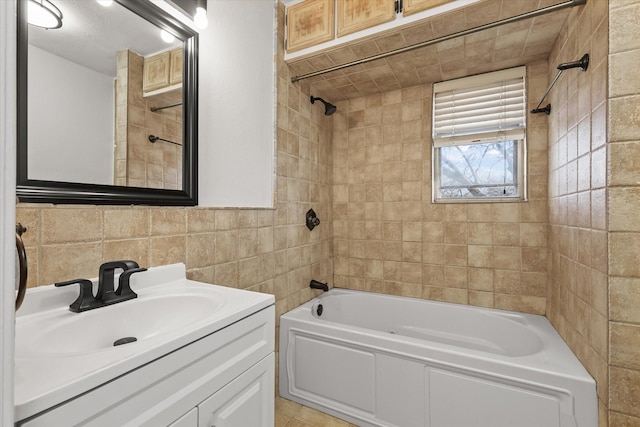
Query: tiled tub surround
point(426, 363)
point(271, 250)
point(577, 290)
point(623, 137)
point(593, 295)
point(388, 235)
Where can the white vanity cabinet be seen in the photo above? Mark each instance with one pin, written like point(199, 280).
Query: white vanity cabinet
point(246, 401)
point(223, 379)
point(190, 419)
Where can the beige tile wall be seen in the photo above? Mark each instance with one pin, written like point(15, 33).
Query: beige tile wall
point(389, 236)
point(120, 131)
point(624, 204)
point(138, 162)
point(268, 250)
point(594, 293)
point(157, 165)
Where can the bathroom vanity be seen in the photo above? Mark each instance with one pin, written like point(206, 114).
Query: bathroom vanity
point(203, 355)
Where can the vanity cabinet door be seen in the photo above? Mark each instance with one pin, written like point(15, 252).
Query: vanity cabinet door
point(190, 419)
point(246, 401)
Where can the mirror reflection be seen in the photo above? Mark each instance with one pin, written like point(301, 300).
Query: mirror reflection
point(98, 87)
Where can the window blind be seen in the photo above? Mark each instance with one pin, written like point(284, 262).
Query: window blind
point(479, 109)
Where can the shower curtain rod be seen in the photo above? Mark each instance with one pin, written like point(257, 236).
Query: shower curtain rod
point(526, 15)
point(154, 109)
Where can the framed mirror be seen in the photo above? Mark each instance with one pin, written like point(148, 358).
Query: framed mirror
point(107, 110)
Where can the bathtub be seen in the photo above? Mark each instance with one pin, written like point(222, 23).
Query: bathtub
point(382, 360)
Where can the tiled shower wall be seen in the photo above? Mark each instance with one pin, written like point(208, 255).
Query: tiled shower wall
point(388, 235)
point(594, 294)
point(138, 162)
point(268, 250)
point(577, 293)
point(623, 206)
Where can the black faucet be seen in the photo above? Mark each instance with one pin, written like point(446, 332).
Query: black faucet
point(106, 294)
point(106, 290)
point(314, 284)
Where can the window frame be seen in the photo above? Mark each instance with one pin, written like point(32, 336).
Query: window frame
point(521, 174)
point(521, 181)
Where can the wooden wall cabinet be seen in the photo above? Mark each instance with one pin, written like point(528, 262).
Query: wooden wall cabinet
point(156, 72)
point(162, 70)
point(414, 6)
point(175, 67)
point(356, 15)
point(309, 23)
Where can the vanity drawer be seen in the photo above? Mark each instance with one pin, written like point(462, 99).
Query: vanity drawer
point(160, 392)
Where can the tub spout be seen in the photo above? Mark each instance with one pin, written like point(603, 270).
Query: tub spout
point(314, 284)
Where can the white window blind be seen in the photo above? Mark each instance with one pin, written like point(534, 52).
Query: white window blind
point(479, 109)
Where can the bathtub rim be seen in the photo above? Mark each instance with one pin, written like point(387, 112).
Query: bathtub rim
point(554, 348)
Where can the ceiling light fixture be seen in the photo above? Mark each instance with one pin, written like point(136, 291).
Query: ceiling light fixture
point(200, 18)
point(42, 13)
point(105, 3)
point(167, 37)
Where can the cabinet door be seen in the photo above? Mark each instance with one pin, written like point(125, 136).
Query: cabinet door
point(175, 72)
point(309, 23)
point(356, 15)
point(413, 6)
point(190, 419)
point(246, 401)
point(156, 72)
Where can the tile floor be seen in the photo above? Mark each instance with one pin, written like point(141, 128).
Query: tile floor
point(291, 414)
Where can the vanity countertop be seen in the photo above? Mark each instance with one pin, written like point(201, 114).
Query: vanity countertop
point(60, 354)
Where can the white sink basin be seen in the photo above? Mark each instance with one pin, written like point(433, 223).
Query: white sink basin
point(60, 354)
point(149, 316)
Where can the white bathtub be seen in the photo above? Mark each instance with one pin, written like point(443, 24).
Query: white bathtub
point(381, 360)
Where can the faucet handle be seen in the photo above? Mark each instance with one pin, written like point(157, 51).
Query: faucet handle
point(124, 287)
point(86, 300)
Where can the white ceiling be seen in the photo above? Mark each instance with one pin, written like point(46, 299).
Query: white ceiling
point(92, 34)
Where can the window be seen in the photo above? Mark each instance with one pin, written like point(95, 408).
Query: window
point(479, 130)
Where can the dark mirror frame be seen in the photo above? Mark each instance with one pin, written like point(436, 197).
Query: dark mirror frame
point(56, 192)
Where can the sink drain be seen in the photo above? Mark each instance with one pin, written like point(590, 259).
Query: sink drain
point(125, 340)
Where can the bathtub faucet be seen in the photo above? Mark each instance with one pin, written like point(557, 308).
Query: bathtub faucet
point(314, 284)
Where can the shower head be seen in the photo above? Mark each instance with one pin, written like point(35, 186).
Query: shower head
point(329, 109)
